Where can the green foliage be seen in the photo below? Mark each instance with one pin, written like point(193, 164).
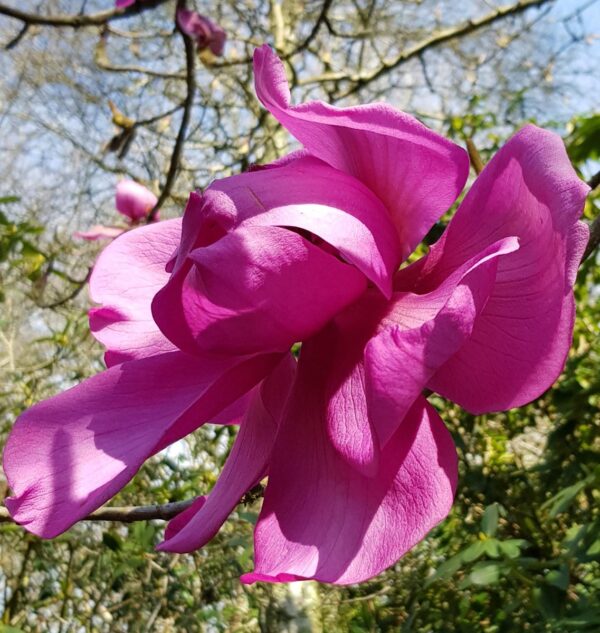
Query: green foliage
point(583, 142)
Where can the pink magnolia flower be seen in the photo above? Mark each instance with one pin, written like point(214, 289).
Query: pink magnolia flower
point(133, 201)
point(205, 32)
point(99, 232)
point(198, 317)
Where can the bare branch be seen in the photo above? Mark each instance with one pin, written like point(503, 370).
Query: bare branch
point(190, 63)
point(594, 241)
point(474, 157)
point(315, 29)
point(441, 37)
point(78, 21)
point(126, 514)
point(130, 514)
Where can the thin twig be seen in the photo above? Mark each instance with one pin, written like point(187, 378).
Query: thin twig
point(18, 37)
point(190, 63)
point(126, 514)
point(441, 37)
point(78, 21)
point(315, 29)
point(594, 241)
point(474, 156)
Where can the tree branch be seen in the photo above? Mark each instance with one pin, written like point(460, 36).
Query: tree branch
point(594, 241)
point(126, 514)
point(190, 62)
point(130, 514)
point(78, 21)
point(315, 29)
point(441, 37)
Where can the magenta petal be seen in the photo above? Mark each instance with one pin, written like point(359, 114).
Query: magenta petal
point(323, 519)
point(520, 341)
point(282, 289)
point(69, 454)
point(399, 361)
point(134, 200)
point(99, 232)
point(305, 193)
point(415, 172)
point(245, 466)
point(182, 519)
point(127, 275)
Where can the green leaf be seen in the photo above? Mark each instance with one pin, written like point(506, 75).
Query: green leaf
point(8, 200)
point(561, 501)
point(584, 141)
point(511, 548)
point(559, 577)
point(492, 547)
point(112, 541)
point(473, 552)
point(250, 517)
point(448, 568)
point(489, 521)
point(485, 573)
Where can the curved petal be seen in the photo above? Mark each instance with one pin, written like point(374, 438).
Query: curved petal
point(415, 172)
point(99, 232)
point(334, 524)
point(305, 193)
point(399, 361)
point(68, 455)
point(244, 468)
point(134, 200)
point(127, 275)
point(282, 289)
point(520, 341)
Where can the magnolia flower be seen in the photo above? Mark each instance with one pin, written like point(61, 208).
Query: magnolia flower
point(203, 31)
point(198, 317)
point(133, 201)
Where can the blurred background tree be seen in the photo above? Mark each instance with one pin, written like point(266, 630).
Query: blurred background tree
point(89, 94)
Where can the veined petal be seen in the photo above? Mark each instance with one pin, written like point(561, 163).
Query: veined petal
point(134, 200)
point(99, 232)
point(245, 467)
point(415, 172)
point(334, 524)
point(401, 360)
point(520, 340)
point(305, 193)
point(68, 455)
point(282, 290)
point(127, 275)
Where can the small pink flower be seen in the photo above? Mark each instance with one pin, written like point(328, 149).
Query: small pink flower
point(99, 232)
point(122, 4)
point(133, 200)
point(198, 317)
point(205, 32)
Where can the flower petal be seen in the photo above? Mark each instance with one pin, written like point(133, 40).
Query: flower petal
point(282, 289)
point(244, 468)
point(520, 341)
point(134, 200)
point(99, 232)
point(400, 362)
point(415, 172)
point(127, 275)
point(67, 455)
point(334, 524)
point(305, 193)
